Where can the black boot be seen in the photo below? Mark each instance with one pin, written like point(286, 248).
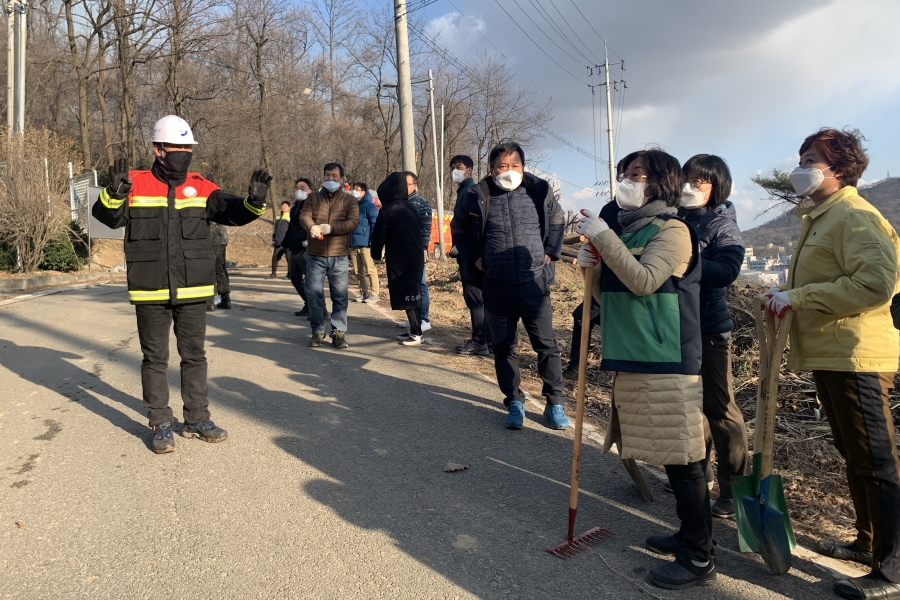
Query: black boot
point(226, 301)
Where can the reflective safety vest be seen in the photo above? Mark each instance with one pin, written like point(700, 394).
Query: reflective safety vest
point(168, 246)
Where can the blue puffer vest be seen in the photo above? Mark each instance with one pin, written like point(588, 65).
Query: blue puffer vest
point(513, 248)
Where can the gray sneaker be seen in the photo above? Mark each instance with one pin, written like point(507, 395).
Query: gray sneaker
point(371, 298)
point(163, 440)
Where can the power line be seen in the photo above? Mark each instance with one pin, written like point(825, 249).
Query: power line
point(516, 2)
point(535, 43)
point(566, 21)
point(592, 28)
point(549, 20)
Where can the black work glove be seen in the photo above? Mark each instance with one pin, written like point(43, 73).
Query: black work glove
point(119, 181)
point(454, 252)
point(259, 187)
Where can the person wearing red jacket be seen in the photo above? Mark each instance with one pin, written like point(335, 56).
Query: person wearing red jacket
point(166, 213)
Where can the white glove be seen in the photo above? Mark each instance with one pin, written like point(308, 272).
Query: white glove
point(326, 228)
point(590, 225)
point(772, 292)
point(778, 304)
point(305, 243)
point(316, 232)
point(588, 256)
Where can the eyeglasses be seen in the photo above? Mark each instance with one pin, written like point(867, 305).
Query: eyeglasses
point(621, 177)
point(696, 182)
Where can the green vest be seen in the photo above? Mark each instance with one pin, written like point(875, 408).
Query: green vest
point(658, 333)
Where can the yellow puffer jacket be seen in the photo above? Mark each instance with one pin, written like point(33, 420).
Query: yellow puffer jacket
point(843, 274)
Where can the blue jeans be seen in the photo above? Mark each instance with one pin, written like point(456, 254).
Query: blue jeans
point(426, 301)
point(337, 269)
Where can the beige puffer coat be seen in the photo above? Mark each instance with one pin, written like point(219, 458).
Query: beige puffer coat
point(656, 418)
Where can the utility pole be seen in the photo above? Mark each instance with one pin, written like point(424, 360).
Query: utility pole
point(404, 89)
point(438, 192)
point(16, 12)
point(609, 123)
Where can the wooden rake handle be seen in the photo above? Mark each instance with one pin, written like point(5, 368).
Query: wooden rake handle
point(582, 382)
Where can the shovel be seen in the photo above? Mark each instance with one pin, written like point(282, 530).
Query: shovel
point(763, 522)
point(575, 544)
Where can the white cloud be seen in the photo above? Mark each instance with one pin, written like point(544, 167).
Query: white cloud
point(453, 29)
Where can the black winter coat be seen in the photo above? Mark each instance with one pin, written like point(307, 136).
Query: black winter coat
point(398, 231)
point(296, 235)
point(722, 253)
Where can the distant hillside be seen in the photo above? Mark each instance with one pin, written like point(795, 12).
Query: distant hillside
point(784, 229)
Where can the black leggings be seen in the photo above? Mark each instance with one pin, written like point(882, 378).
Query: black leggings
point(415, 321)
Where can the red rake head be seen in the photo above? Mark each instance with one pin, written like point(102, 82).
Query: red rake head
point(580, 543)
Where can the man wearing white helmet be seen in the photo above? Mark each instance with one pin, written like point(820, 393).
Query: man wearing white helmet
point(166, 213)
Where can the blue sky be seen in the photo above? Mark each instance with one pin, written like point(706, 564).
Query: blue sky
point(747, 81)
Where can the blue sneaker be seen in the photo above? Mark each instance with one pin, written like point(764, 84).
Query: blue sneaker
point(516, 416)
point(556, 416)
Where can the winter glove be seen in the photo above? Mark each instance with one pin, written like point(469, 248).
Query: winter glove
point(316, 232)
point(119, 181)
point(590, 225)
point(326, 228)
point(588, 256)
point(305, 243)
point(258, 188)
point(778, 304)
point(772, 292)
point(454, 252)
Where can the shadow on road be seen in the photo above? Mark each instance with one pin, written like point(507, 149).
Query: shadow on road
point(381, 432)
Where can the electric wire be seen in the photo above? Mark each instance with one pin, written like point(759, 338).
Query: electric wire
point(539, 28)
point(549, 20)
point(535, 43)
point(592, 28)
point(566, 21)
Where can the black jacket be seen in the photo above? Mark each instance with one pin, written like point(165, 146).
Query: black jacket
point(722, 254)
point(296, 235)
point(469, 220)
point(398, 231)
point(168, 246)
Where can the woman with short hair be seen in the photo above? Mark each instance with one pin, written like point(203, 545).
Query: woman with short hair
point(648, 287)
point(705, 206)
point(841, 279)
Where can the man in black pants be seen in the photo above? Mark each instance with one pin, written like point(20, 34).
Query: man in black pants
point(166, 213)
point(470, 276)
point(219, 235)
point(510, 226)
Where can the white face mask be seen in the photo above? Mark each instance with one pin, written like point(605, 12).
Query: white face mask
point(807, 181)
point(331, 186)
point(357, 194)
point(691, 197)
point(508, 180)
point(300, 194)
point(458, 175)
point(630, 194)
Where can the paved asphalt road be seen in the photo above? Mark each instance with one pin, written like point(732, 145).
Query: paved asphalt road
point(330, 485)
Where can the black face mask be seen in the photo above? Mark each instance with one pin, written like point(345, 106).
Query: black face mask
point(178, 161)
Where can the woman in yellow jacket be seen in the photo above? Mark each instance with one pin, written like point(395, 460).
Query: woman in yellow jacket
point(842, 276)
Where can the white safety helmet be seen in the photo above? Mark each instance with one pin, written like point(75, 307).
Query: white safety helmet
point(174, 130)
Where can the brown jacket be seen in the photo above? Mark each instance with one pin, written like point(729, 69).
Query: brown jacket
point(339, 210)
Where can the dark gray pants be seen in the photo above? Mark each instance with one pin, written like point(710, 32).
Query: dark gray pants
point(154, 322)
point(223, 283)
point(504, 308)
point(471, 279)
point(726, 428)
point(297, 272)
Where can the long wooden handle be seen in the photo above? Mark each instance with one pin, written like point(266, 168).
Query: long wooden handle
point(783, 327)
point(762, 389)
point(579, 394)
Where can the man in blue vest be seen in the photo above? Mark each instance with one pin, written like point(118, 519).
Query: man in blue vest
point(510, 226)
